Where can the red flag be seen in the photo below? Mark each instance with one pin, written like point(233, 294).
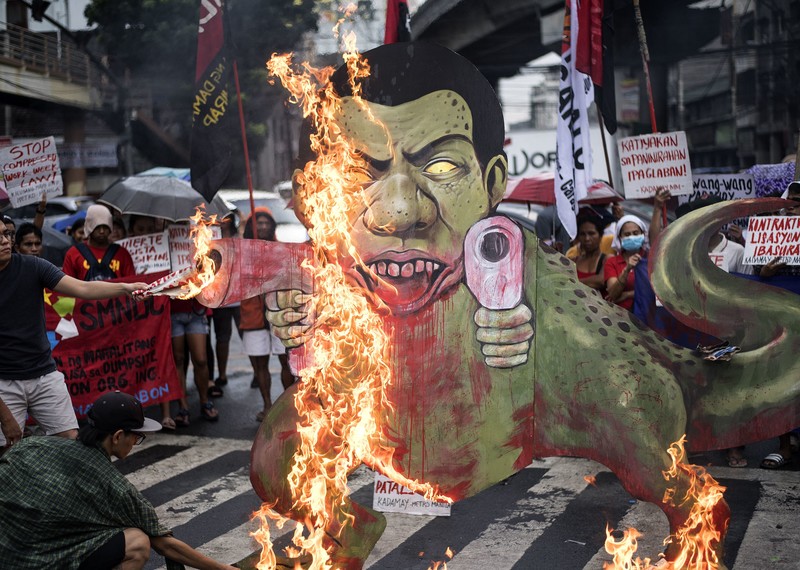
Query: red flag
point(589, 57)
point(213, 119)
point(398, 22)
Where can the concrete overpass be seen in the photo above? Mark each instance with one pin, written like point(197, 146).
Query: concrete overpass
point(501, 36)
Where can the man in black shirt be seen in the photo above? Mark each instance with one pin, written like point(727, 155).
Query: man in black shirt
point(29, 380)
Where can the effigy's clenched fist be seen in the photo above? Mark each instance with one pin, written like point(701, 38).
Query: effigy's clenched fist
point(288, 313)
point(505, 335)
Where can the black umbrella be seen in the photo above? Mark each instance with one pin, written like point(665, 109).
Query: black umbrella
point(158, 196)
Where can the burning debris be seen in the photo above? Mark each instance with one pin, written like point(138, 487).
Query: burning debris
point(697, 539)
point(342, 395)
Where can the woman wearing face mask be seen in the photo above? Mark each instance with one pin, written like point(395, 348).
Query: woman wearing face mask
point(631, 243)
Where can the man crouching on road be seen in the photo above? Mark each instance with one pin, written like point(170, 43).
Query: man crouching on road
point(29, 381)
point(64, 505)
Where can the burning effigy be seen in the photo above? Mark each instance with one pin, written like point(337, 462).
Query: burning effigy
point(442, 345)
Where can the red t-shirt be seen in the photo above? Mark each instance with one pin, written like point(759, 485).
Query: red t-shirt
point(613, 268)
point(75, 265)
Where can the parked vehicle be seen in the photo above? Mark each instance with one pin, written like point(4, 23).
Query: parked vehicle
point(58, 208)
point(289, 229)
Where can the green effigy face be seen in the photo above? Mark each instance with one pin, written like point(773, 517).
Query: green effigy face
point(424, 189)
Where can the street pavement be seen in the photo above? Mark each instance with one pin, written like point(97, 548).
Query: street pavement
point(545, 517)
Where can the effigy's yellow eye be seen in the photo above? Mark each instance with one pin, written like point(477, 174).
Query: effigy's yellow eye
point(440, 167)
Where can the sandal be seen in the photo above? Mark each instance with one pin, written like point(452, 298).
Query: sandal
point(182, 418)
point(260, 416)
point(215, 392)
point(221, 381)
point(208, 412)
point(168, 423)
point(773, 461)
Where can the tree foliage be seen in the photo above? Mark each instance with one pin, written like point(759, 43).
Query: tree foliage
point(155, 42)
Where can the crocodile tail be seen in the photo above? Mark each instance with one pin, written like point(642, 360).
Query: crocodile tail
point(757, 394)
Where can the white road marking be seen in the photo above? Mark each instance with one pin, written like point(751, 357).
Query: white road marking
point(201, 450)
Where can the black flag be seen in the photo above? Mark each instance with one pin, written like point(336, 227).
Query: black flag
point(214, 132)
point(398, 22)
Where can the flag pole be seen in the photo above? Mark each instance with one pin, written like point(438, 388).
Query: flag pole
point(605, 146)
point(645, 62)
point(646, 65)
point(244, 139)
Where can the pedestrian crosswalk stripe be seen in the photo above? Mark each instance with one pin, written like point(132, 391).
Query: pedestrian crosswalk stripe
point(506, 539)
point(202, 450)
point(212, 505)
point(184, 508)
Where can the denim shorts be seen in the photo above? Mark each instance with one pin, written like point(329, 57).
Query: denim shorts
point(189, 323)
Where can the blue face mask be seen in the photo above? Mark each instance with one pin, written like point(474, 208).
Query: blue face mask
point(632, 243)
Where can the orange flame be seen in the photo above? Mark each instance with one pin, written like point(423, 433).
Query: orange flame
point(341, 397)
point(697, 538)
point(201, 236)
point(591, 479)
point(441, 565)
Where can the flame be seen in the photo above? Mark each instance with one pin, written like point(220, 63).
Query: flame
point(201, 236)
point(441, 565)
point(341, 397)
point(591, 479)
point(697, 538)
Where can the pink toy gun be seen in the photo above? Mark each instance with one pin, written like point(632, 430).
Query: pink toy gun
point(493, 262)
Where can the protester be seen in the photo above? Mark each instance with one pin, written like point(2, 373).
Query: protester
point(550, 230)
point(11, 226)
point(76, 231)
point(190, 328)
point(65, 505)
point(631, 243)
point(29, 380)
point(590, 260)
point(98, 258)
point(609, 222)
point(224, 317)
point(259, 342)
point(29, 240)
point(140, 225)
point(118, 230)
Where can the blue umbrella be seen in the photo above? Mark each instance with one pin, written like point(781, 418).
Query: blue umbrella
point(64, 223)
point(179, 173)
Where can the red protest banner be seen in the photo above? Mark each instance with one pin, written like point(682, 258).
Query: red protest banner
point(113, 344)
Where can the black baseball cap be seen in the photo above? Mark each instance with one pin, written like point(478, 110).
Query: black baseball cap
point(118, 410)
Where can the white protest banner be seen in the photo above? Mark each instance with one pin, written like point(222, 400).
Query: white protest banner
point(150, 252)
point(30, 169)
point(722, 186)
point(573, 174)
point(650, 162)
point(769, 237)
point(391, 497)
point(181, 248)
